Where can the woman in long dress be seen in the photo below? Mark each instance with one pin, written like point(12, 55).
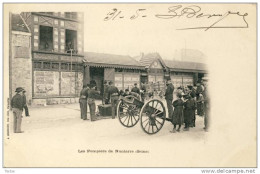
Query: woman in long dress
point(177, 117)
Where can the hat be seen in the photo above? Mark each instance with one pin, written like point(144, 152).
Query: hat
point(92, 85)
point(19, 89)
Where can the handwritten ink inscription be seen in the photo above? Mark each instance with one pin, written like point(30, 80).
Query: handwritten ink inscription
point(118, 14)
point(185, 13)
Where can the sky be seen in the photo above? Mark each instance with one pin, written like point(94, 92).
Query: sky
point(126, 36)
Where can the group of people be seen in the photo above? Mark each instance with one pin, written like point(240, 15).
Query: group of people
point(183, 109)
point(87, 98)
point(191, 101)
point(18, 103)
point(88, 95)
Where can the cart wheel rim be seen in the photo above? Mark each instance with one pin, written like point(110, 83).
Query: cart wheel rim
point(128, 115)
point(152, 116)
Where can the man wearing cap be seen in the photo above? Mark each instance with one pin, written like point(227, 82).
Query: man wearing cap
point(113, 93)
point(83, 102)
point(136, 89)
point(92, 94)
point(105, 94)
point(169, 97)
point(17, 104)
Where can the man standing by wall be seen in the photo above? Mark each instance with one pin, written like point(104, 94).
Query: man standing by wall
point(83, 102)
point(113, 93)
point(169, 97)
point(17, 104)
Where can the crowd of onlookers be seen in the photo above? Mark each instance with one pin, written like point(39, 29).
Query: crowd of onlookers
point(183, 103)
point(190, 102)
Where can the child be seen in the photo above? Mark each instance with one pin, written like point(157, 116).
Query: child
point(177, 117)
point(189, 106)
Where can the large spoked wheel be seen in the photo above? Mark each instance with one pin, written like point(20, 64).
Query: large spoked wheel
point(152, 116)
point(128, 114)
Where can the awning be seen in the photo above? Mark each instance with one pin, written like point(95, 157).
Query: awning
point(112, 66)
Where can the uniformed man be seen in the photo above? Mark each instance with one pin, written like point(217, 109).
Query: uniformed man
point(17, 104)
point(108, 97)
point(92, 94)
point(113, 93)
point(169, 97)
point(25, 105)
point(83, 102)
point(143, 91)
point(199, 90)
point(135, 89)
point(105, 95)
point(206, 108)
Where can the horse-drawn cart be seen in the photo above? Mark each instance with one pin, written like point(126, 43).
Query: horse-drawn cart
point(152, 114)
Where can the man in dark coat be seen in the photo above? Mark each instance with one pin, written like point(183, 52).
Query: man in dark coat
point(135, 89)
point(169, 97)
point(105, 95)
point(92, 94)
point(143, 91)
point(108, 97)
point(17, 105)
point(83, 102)
point(113, 93)
point(206, 109)
point(199, 90)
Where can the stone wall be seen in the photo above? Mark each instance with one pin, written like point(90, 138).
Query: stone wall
point(21, 64)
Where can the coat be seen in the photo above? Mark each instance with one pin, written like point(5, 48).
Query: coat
point(189, 107)
point(177, 117)
point(169, 92)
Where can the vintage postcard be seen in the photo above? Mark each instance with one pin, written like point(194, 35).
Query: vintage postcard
point(130, 85)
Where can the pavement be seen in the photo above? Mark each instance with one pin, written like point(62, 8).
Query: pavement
point(54, 134)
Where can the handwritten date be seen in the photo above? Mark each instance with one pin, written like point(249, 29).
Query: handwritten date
point(185, 12)
point(117, 14)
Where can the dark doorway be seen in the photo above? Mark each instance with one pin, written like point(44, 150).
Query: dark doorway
point(144, 79)
point(97, 74)
point(200, 76)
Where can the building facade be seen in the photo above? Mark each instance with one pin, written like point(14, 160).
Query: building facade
point(47, 58)
point(124, 71)
point(20, 60)
point(57, 48)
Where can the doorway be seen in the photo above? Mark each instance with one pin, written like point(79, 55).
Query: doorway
point(97, 74)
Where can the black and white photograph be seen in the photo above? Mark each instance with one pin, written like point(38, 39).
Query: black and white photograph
point(130, 85)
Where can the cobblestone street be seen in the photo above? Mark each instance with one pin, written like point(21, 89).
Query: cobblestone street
point(53, 131)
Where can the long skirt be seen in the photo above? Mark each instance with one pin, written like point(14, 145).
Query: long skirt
point(177, 116)
point(188, 115)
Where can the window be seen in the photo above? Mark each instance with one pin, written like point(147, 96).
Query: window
point(65, 66)
point(55, 66)
point(46, 65)
point(46, 38)
point(37, 65)
point(71, 15)
point(118, 70)
point(71, 41)
point(76, 67)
